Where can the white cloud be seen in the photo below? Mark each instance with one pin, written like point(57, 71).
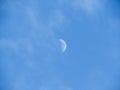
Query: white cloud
point(28, 51)
point(30, 43)
point(89, 6)
point(16, 45)
point(33, 29)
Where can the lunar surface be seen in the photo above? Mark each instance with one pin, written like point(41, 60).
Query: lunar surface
point(63, 45)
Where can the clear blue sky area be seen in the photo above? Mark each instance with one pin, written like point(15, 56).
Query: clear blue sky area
point(32, 57)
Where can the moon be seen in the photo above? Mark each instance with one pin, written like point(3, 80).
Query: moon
point(63, 45)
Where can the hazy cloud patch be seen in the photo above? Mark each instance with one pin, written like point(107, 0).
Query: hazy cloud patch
point(89, 6)
point(27, 42)
point(57, 19)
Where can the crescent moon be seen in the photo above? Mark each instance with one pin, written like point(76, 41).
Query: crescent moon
point(63, 45)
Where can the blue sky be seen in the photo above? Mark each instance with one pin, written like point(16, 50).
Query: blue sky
point(31, 57)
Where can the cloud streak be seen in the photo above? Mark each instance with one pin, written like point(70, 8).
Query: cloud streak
point(26, 44)
point(89, 6)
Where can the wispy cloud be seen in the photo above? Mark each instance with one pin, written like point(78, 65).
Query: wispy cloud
point(57, 19)
point(29, 43)
point(89, 6)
